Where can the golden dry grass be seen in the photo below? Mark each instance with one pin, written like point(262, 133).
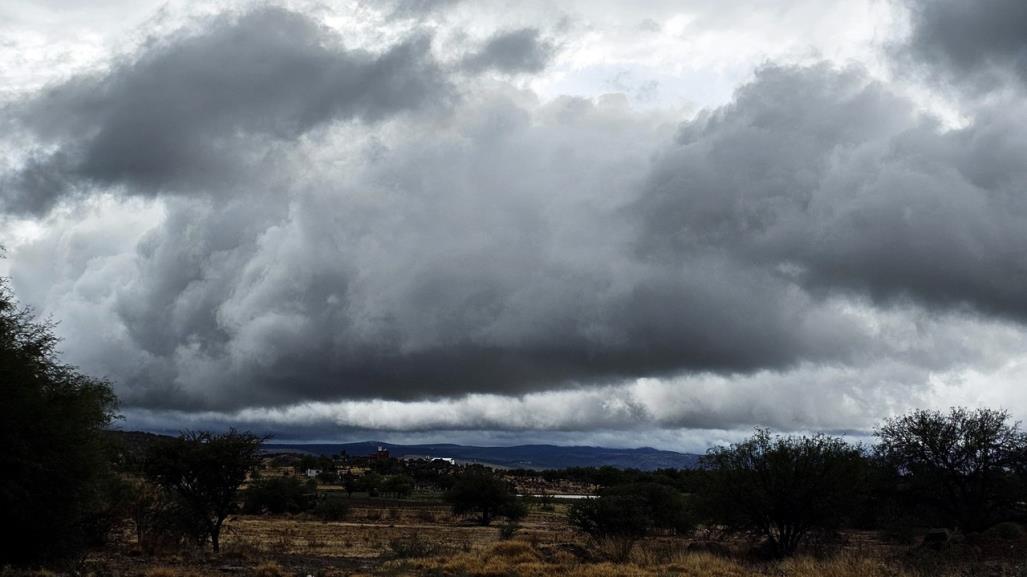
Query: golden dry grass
point(520, 559)
point(544, 547)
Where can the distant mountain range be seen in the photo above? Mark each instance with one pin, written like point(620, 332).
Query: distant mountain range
point(518, 457)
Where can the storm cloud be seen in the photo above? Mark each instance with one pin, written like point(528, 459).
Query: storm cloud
point(513, 51)
point(255, 220)
point(978, 42)
point(197, 110)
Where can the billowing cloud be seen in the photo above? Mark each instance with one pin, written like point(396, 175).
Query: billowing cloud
point(981, 42)
point(512, 51)
point(248, 222)
point(199, 109)
point(831, 179)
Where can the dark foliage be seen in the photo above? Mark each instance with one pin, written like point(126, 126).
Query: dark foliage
point(621, 515)
point(55, 481)
point(398, 486)
point(782, 489)
point(665, 507)
point(620, 519)
point(962, 469)
point(162, 521)
point(479, 490)
point(331, 508)
point(204, 471)
point(279, 495)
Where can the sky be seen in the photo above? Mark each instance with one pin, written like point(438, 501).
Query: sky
point(625, 223)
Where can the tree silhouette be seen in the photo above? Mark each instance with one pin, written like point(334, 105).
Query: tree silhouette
point(54, 468)
point(205, 471)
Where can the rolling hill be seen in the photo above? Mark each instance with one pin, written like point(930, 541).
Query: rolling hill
point(516, 457)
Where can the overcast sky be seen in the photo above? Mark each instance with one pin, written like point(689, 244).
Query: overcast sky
point(624, 223)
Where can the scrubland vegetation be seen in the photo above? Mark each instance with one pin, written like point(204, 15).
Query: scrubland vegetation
point(938, 493)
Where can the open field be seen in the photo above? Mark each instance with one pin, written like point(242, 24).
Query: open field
point(395, 538)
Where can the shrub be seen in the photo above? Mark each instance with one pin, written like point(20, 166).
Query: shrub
point(964, 467)
point(782, 488)
point(614, 522)
point(204, 471)
point(398, 486)
point(332, 509)
point(479, 490)
point(1006, 531)
point(162, 521)
point(54, 465)
point(279, 495)
point(666, 507)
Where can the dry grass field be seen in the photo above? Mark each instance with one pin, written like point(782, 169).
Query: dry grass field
point(396, 539)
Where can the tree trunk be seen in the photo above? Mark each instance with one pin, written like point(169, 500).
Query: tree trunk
point(215, 537)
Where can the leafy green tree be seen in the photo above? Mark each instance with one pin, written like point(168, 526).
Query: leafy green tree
point(782, 488)
point(963, 468)
point(55, 476)
point(478, 490)
point(205, 471)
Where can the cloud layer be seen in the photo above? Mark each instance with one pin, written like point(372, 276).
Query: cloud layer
point(246, 220)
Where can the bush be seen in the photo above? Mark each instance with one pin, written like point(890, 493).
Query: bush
point(279, 495)
point(204, 471)
point(332, 509)
point(479, 490)
point(1006, 531)
point(782, 489)
point(666, 507)
point(963, 468)
point(398, 486)
point(54, 464)
point(614, 522)
point(162, 521)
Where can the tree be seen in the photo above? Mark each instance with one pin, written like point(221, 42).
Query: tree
point(616, 520)
point(666, 507)
point(622, 514)
point(398, 486)
point(205, 471)
point(782, 488)
point(481, 491)
point(54, 467)
point(278, 495)
point(370, 483)
point(961, 466)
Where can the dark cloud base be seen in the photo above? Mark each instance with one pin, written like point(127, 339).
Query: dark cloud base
point(341, 224)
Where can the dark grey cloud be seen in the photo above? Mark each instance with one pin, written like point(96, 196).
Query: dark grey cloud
point(834, 181)
point(511, 52)
point(502, 246)
point(197, 110)
point(420, 8)
point(331, 296)
point(447, 265)
point(524, 249)
point(978, 43)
